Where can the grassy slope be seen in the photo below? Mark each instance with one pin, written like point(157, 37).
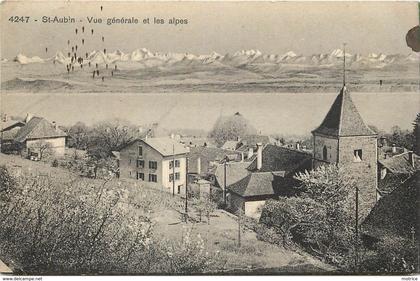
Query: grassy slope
point(220, 235)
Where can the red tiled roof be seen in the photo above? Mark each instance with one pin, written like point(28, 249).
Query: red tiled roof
point(343, 119)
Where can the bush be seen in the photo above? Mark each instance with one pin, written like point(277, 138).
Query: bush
point(55, 163)
point(392, 254)
point(83, 226)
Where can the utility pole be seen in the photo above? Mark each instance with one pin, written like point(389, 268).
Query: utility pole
point(173, 170)
point(356, 248)
point(224, 181)
point(239, 226)
point(186, 188)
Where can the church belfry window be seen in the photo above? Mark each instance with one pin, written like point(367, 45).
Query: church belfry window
point(357, 155)
point(324, 153)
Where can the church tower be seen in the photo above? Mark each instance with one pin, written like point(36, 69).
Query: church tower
point(344, 138)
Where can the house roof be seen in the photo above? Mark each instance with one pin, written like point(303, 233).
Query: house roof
point(396, 213)
point(235, 171)
point(254, 139)
point(343, 119)
point(254, 184)
point(277, 158)
point(230, 145)
point(207, 155)
point(166, 146)
point(400, 164)
point(38, 128)
point(10, 134)
point(10, 124)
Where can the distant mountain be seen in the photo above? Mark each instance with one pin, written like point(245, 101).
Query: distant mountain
point(244, 58)
point(22, 59)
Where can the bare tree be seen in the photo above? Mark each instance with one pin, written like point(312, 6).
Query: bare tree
point(42, 147)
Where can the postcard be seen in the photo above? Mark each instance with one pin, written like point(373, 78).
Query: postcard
point(209, 138)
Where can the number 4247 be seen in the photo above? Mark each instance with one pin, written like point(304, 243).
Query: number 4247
point(19, 19)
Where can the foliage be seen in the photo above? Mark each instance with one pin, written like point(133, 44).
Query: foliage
point(43, 148)
point(7, 183)
point(190, 256)
point(230, 128)
point(401, 138)
point(84, 226)
point(416, 134)
point(392, 254)
point(79, 135)
point(321, 218)
point(110, 135)
point(204, 206)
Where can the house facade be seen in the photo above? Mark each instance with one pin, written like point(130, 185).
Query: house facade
point(39, 137)
point(344, 138)
point(161, 161)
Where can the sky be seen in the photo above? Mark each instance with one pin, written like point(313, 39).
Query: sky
point(225, 27)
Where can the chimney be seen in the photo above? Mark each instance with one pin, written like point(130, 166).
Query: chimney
point(198, 165)
point(411, 159)
point(28, 117)
point(394, 148)
point(250, 152)
point(259, 156)
point(297, 145)
point(382, 141)
point(54, 124)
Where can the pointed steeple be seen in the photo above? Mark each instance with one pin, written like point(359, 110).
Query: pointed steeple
point(343, 119)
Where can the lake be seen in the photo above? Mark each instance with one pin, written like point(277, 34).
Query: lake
point(270, 113)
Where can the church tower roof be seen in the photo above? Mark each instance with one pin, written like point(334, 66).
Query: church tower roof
point(343, 119)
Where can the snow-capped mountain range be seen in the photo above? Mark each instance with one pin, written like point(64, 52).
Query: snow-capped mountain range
point(243, 58)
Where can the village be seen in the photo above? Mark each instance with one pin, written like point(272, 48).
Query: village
point(240, 176)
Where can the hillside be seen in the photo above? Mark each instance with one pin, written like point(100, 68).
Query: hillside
point(219, 236)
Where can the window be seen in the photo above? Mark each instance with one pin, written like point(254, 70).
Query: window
point(357, 155)
point(179, 189)
point(177, 164)
point(152, 178)
point(140, 163)
point(171, 176)
point(153, 165)
point(324, 153)
point(140, 176)
point(140, 151)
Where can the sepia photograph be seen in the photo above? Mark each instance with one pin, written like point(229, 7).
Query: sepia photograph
point(209, 138)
